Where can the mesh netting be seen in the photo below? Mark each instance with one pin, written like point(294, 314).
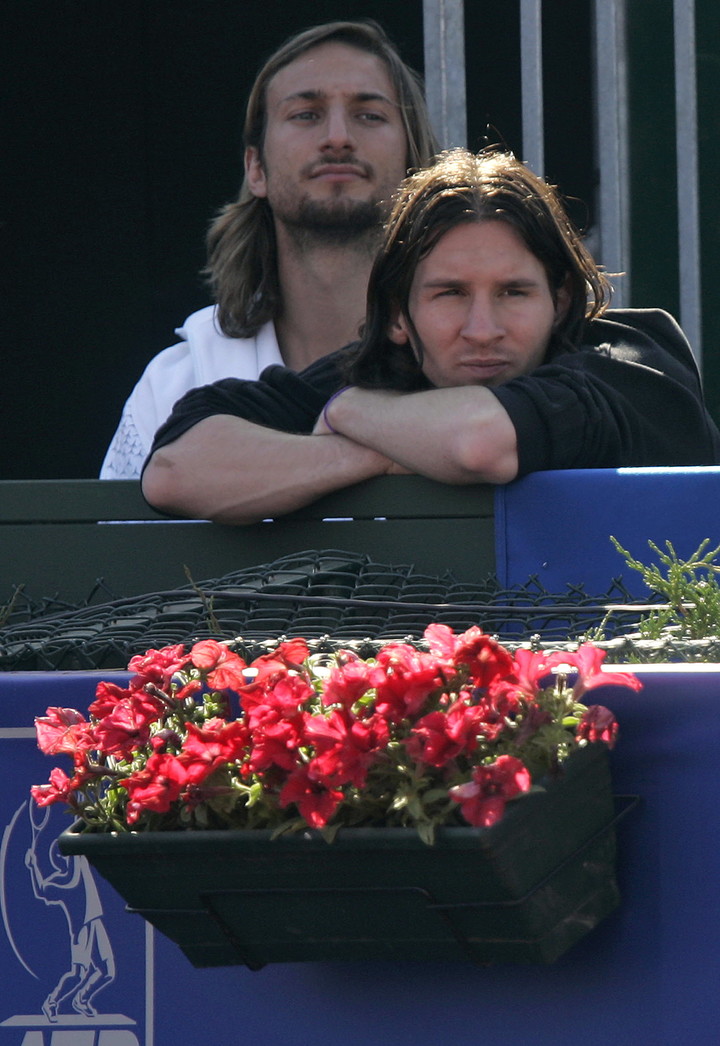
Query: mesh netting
point(331, 596)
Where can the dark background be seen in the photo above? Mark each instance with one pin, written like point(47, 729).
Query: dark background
point(121, 138)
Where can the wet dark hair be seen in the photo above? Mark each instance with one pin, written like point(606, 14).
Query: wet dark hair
point(462, 187)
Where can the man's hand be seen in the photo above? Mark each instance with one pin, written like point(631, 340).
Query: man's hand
point(323, 429)
point(322, 425)
point(455, 435)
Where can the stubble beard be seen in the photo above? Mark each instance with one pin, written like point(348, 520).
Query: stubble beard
point(333, 223)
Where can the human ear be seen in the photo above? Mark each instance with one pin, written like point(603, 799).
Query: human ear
point(398, 330)
point(562, 303)
point(255, 172)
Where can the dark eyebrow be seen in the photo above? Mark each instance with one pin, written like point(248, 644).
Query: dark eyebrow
point(521, 281)
point(312, 95)
point(450, 282)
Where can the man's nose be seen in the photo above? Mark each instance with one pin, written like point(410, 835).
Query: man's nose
point(338, 130)
point(482, 321)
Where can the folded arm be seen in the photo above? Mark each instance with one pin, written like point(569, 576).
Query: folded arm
point(454, 435)
point(233, 471)
point(217, 458)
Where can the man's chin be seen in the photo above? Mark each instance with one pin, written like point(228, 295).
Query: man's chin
point(336, 217)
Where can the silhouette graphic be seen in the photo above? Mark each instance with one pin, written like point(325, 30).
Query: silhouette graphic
point(68, 883)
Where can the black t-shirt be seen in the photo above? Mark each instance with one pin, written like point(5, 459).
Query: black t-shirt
point(630, 395)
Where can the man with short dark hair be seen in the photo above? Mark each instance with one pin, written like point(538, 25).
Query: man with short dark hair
point(334, 122)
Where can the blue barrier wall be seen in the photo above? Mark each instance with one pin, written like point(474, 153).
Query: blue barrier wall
point(557, 525)
point(648, 974)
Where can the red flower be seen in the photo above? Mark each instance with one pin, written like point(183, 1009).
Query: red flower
point(314, 801)
point(156, 787)
point(598, 724)
point(284, 695)
point(107, 695)
point(404, 726)
point(127, 727)
point(588, 661)
point(441, 736)
point(59, 790)
point(441, 640)
point(62, 730)
point(484, 658)
point(344, 747)
point(483, 799)
point(158, 666)
point(275, 722)
point(410, 677)
point(290, 654)
point(348, 681)
point(276, 744)
point(222, 668)
point(215, 744)
point(529, 669)
point(495, 709)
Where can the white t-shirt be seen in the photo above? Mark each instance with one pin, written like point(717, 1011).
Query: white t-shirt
point(203, 356)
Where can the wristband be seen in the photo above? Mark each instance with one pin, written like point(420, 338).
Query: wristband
point(325, 408)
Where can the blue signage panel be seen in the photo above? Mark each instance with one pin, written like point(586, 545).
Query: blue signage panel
point(78, 970)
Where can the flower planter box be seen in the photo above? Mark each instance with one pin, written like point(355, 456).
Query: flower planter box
point(524, 890)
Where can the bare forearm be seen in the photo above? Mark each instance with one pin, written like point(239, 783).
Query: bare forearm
point(232, 471)
point(455, 435)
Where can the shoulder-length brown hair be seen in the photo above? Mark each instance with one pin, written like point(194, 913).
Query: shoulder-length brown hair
point(242, 252)
point(462, 187)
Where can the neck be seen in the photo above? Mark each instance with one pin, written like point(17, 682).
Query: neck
point(323, 289)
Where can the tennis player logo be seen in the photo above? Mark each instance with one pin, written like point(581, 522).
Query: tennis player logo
point(88, 968)
point(68, 883)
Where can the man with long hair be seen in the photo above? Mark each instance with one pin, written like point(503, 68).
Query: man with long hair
point(334, 122)
point(488, 352)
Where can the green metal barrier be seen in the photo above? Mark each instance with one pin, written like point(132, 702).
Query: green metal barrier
point(64, 539)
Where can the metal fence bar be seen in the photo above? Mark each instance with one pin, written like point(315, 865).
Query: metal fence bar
point(445, 87)
point(686, 138)
point(611, 137)
point(531, 61)
point(444, 45)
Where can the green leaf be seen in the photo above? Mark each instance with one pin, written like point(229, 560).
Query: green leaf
point(426, 831)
